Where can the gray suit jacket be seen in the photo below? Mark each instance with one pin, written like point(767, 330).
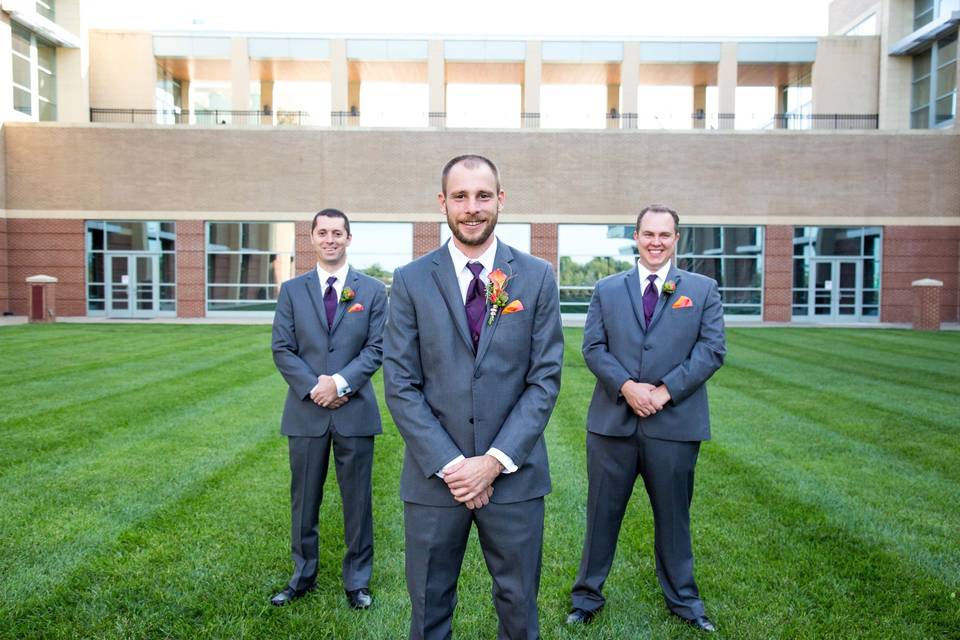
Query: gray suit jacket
point(304, 347)
point(446, 401)
point(682, 348)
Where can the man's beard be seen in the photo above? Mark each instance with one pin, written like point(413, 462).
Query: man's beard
point(475, 241)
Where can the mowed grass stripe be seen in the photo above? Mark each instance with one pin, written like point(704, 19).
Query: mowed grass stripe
point(845, 360)
point(882, 499)
point(64, 510)
point(892, 344)
point(100, 353)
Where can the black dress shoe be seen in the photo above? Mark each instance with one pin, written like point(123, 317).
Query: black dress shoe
point(700, 622)
point(580, 616)
point(289, 594)
point(359, 598)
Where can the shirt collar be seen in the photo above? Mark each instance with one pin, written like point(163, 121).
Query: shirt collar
point(460, 260)
point(340, 274)
point(662, 273)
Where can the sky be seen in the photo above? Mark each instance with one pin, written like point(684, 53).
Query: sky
point(506, 18)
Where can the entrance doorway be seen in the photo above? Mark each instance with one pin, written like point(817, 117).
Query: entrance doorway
point(133, 289)
point(836, 291)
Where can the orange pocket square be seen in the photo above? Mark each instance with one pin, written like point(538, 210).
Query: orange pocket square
point(682, 303)
point(355, 308)
point(513, 307)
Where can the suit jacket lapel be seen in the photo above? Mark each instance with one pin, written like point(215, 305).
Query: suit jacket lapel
point(674, 275)
point(352, 279)
point(313, 290)
point(449, 288)
point(631, 281)
point(504, 262)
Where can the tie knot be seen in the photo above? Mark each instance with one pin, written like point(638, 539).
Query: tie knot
point(331, 280)
point(652, 278)
point(475, 268)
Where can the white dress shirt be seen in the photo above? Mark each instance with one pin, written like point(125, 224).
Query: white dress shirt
point(464, 278)
point(343, 387)
point(646, 273)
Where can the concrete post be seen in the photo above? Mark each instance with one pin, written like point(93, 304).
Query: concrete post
point(436, 78)
point(239, 75)
point(532, 75)
point(630, 81)
point(43, 298)
point(699, 106)
point(727, 85)
point(339, 106)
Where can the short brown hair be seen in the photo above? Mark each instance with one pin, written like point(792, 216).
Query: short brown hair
point(470, 160)
point(659, 208)
point(331, 213)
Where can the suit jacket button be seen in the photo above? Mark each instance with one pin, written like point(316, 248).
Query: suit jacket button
point(477, 375)
point(646, 347)
point(330, 349)
point(471, 421)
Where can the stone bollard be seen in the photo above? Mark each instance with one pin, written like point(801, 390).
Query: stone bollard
point(43, 298)
point(926, 304)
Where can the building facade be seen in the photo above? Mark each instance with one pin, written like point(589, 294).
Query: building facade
point(175, 174)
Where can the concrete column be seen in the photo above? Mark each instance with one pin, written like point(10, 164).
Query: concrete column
point(339, 105)
point(780, 106)
point(353, 99)
point(437, 80)
point(185, 96)
point(73, 66)
point(532, 74)
point(239, 74)
point(613, 106)
point(699, 106)
point(727, 84)
point(630, 81)
point(266, 101)
point(896, 72)
point(926, 304)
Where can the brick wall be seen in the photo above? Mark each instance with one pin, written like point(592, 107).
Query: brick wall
point(306, 257)
point(914, 253)
point(51, 247)
point(4, 290)
point(190, 269)
point(426, 238)
point(778, 273)
point(543, 242)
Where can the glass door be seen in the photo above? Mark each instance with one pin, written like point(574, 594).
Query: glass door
point(133, 290)
point(146, 292)
point(118, 277)
point(836, 292)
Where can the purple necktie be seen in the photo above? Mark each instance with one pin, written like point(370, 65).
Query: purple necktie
point(330, 300)
point(650, 298)
point(476, 303)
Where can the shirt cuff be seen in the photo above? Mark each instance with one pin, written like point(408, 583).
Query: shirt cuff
point(343, 387)
point(502, 458)
point(443, 471)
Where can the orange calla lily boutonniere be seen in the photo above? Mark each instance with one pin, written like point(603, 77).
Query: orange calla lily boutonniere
point(497, 296)
point(682, 303)
point(355, 308)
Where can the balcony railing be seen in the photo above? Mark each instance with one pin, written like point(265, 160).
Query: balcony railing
point(438, 120)
point(200, 116)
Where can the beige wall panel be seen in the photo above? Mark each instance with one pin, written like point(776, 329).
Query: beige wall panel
point(123, 72)
point(846, 75)
point(771, 74)
point(546, 174)
point(366, 71)
point(290, 70)
point(584, 73)
point(655, 73)
point(845, 14)
point(484, 72)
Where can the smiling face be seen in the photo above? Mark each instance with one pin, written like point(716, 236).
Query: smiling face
point(471, 204)
point(330, 240)
point(656, 239)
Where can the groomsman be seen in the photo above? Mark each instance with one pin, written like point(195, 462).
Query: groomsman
point(327, 343)
point(653, 336)
point(472, 359)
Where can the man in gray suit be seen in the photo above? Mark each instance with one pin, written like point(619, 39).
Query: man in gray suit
point(327, 343)
point(471, 384)
point(653, 337)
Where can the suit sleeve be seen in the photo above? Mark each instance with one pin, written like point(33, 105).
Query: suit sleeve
point(707, 354)
point(286, 350)
point(596, 352)
point(425, 438)
point(358, 371)
point(528, 418)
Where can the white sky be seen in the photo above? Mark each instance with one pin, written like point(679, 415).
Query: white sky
point(531, 18)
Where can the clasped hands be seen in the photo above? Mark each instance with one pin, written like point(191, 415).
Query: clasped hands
point(324, 393)
point(471, 480)
point(644, 398)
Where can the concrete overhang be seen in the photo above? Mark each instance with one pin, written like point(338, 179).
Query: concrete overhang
point(926, 35)
point(25, 13)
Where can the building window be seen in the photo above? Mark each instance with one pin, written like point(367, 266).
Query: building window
point(733, 257)
point(168, 97)
point(246, 264)
point(131, 268)
point(515, 234)
point(866, 27)
point(46, 9)
point(923, 12)
point(377, 248)
point(934, 87)
point(34, 75)
point(588, 252)
point(836, 273)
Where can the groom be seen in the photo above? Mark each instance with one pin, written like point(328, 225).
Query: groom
point(653, 336)
point(471, 384)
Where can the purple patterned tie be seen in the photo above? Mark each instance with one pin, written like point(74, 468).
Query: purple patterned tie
point(476, 303)
point(330, 300)
point(650, 298)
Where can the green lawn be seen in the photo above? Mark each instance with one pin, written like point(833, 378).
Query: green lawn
point(145, 494)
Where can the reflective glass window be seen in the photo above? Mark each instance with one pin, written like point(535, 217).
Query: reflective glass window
point(246, 264)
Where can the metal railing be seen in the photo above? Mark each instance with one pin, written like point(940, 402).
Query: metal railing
point(200, 116)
